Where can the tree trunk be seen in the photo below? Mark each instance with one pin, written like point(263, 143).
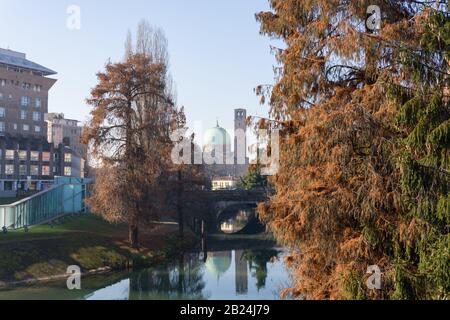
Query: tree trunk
point(181, 276)
point(204, 241)
point(179, 207)
point(133, 232)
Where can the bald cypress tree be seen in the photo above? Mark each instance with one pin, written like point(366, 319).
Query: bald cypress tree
point(352, 177)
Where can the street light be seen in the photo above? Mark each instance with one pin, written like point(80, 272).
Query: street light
point(17, 164)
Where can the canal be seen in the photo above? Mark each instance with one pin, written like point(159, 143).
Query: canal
point(236, 267)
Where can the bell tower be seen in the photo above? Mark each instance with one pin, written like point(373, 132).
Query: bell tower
point(240, 147)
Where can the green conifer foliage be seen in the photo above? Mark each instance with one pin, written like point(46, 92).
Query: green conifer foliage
point(423, 250)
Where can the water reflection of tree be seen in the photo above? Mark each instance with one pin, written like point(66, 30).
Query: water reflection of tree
point(181, 280)
point(258, 260)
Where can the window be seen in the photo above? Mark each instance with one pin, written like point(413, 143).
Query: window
point(2, 127)
point(2, 112)
point(45, 170)
point(46, 156)
point(67, 157)
point(34, 170)
point(2, 82)
point(37, 129)
point(9, 155)
point(26, 86)
point(8, 185)
point(26, 127)
point(23, 170)
point(10, 96)
point(15, 126)
point(34, 155)
point(24, 101)
point(9, 169)
point(36, 116)
point(38, 103)
point(23, 154)
point(37, 88)
point(1, 96)
point(67, 171)
point(23, 115)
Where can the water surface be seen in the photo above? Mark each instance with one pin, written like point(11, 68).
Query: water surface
point(239, 274)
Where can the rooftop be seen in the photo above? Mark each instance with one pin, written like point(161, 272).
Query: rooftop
point(224, 178)
point(53, 116)
point(19, 60)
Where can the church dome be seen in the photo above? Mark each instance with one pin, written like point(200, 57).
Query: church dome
point(217, 136)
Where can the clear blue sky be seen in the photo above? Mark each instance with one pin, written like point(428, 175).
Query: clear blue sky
point(217, 56)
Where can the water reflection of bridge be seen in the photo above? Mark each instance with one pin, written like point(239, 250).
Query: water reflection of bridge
point(233, 210)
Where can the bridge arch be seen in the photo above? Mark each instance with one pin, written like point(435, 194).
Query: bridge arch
point(237, 218)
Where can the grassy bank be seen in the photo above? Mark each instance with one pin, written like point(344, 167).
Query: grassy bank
point(86, 241)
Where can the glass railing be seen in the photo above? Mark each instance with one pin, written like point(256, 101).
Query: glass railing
point(66, 196)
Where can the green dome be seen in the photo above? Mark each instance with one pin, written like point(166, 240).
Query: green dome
point(217, 136)
point(218, 262)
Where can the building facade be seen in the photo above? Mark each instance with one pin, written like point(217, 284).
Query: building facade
point(224, 183)
point(24, 87)
point(28, 161)
point(69, 163)
point(26, 164)
point(64, 131)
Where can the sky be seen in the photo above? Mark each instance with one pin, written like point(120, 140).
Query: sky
point(217, 56)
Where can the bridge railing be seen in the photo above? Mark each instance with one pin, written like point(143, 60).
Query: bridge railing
point(67, 196)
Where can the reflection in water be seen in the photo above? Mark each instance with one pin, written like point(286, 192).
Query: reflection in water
point(241, 272)
point(218, 263)
point(172, 282)
point(237, 222)
point(219, 278)
point(258, 260)
point(227, 275)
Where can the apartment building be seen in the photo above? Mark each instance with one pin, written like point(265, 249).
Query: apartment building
point(24, 87)
point(27, 160)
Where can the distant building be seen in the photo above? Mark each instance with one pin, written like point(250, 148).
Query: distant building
point(240, 127)
point(224, 183)
point(64, 131)
point(217, 145)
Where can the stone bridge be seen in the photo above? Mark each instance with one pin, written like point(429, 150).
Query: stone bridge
point(226, 203)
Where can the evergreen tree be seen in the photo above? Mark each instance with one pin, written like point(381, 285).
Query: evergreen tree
point(253, 178)
point(422, 256)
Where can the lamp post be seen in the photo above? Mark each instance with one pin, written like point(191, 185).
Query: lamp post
point(17, 164)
